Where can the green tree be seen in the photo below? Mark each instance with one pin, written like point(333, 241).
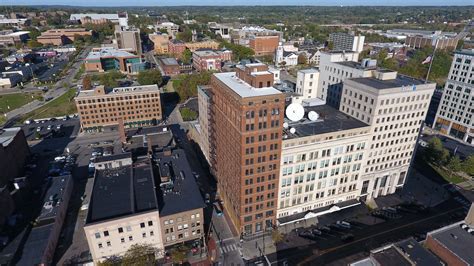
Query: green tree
point(302, 60)
point(239, 52)
point(178, 254)
point(454, 164)
point(188, 114)
point(87, 83)
point(149, 77)
point(435, 151)
point(187, 55)
point(140, 254)
point(277, 236)
point(185, 36)
point(468, 165)
point(187, 87)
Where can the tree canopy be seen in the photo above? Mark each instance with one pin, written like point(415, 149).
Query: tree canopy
point(187, 87)
point(149, 77)
point(239, 51)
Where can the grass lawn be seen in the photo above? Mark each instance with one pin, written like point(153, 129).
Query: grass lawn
point(447, 176)
point(63, 105)
point(16, 100)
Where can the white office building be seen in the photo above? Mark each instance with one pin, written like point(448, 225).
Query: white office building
point(456, 108)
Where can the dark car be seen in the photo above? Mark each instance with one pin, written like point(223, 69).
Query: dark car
point(347, 237)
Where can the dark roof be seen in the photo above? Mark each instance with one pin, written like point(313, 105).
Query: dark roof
point(353, 64)
point(417, 253)
point(390, 257)
point(54, 195)
point(35, 246)
point(122, 191)
point(181, 193)
point(379, 84)
point(330, 120)
point(456, 239)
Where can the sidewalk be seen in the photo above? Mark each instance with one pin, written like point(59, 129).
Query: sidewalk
point(255, 248)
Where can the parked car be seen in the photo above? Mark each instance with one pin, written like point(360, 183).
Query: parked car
point(49, 127)
point(58, 127)
point(38, 129)
point(207, 198)
point(218, 209)
point(347, 237)
point(343, 224)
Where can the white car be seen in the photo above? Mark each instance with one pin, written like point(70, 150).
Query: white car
point(49, 127)
point(58, 127)
point(38, 129)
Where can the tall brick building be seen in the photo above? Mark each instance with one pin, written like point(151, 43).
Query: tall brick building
point(245, 143)
point(264, 45)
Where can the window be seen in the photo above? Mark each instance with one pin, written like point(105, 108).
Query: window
point(129, 228)
point(120, 230)
point(150, 223)
point(152, 233)
point(108, 244)
point(122, 240)
point(142, 225)
point(144, 235)
point(106, 233)
point(97, 235)
point(130, 238)
point(100, 245)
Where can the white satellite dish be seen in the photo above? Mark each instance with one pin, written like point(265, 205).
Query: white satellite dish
point(292, 130)
point(313, 116)
point(295, 112)
point(285, 125)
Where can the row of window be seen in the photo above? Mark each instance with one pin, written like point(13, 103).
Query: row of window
point(122, 240)
point(120, 229)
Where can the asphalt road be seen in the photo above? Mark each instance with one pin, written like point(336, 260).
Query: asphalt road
point(332, 249)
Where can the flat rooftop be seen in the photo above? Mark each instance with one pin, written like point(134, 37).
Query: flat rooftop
point(94, 16)
point(122, 191)
point(356, 65)
point(8, 134)
point(399, 81)
point(120, 90)
point(53, 198)
point(455, 239)
point(417, 253)
point(390, 257)
point(465, 52)
point(309, 70)
point(108, 52)
point(169, 61)
point(206, 53)
point(330, 120)
point(35, 245)
point(181, 193)
point(242, 88)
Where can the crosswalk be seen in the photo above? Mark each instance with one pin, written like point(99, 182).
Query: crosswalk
point(226, 248)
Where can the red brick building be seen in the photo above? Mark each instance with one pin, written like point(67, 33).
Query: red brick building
point(264, 45)
point(210, 59)
point(176, 48)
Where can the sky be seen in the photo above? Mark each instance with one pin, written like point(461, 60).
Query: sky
point(236, 2)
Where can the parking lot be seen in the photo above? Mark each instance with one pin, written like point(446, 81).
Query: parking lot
point(51, 128)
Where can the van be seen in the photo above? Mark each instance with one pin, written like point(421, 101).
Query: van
point(343, 224)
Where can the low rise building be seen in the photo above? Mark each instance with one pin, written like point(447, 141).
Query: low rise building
point(169, 66)
point(204, 60)
point(120, 18)
point(10, 38)
point(169, 27)
point(137, 106)
point(108, 58)
point(181, 205)
point(219, 29)
point(123, 209)
point(407, 252)
point(160, 42)
point(40, 245)
point(285, 58)
point(128, 39)
point(62, 36)
point(307, 81)
point(208, 45)
point(176, 48)
point(451, 243)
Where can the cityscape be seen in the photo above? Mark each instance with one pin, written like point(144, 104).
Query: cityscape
point(199, 134)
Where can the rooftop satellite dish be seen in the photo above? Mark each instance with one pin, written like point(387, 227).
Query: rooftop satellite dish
point(295, 112)
point(285, 125)
point(313, 116)
point(292, 130)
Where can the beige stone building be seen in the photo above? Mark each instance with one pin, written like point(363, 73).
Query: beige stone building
point(321, 164)
point(160, 42)
point(395, 107)
point(123, 208)
point(204, 98)
point(137, 106)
